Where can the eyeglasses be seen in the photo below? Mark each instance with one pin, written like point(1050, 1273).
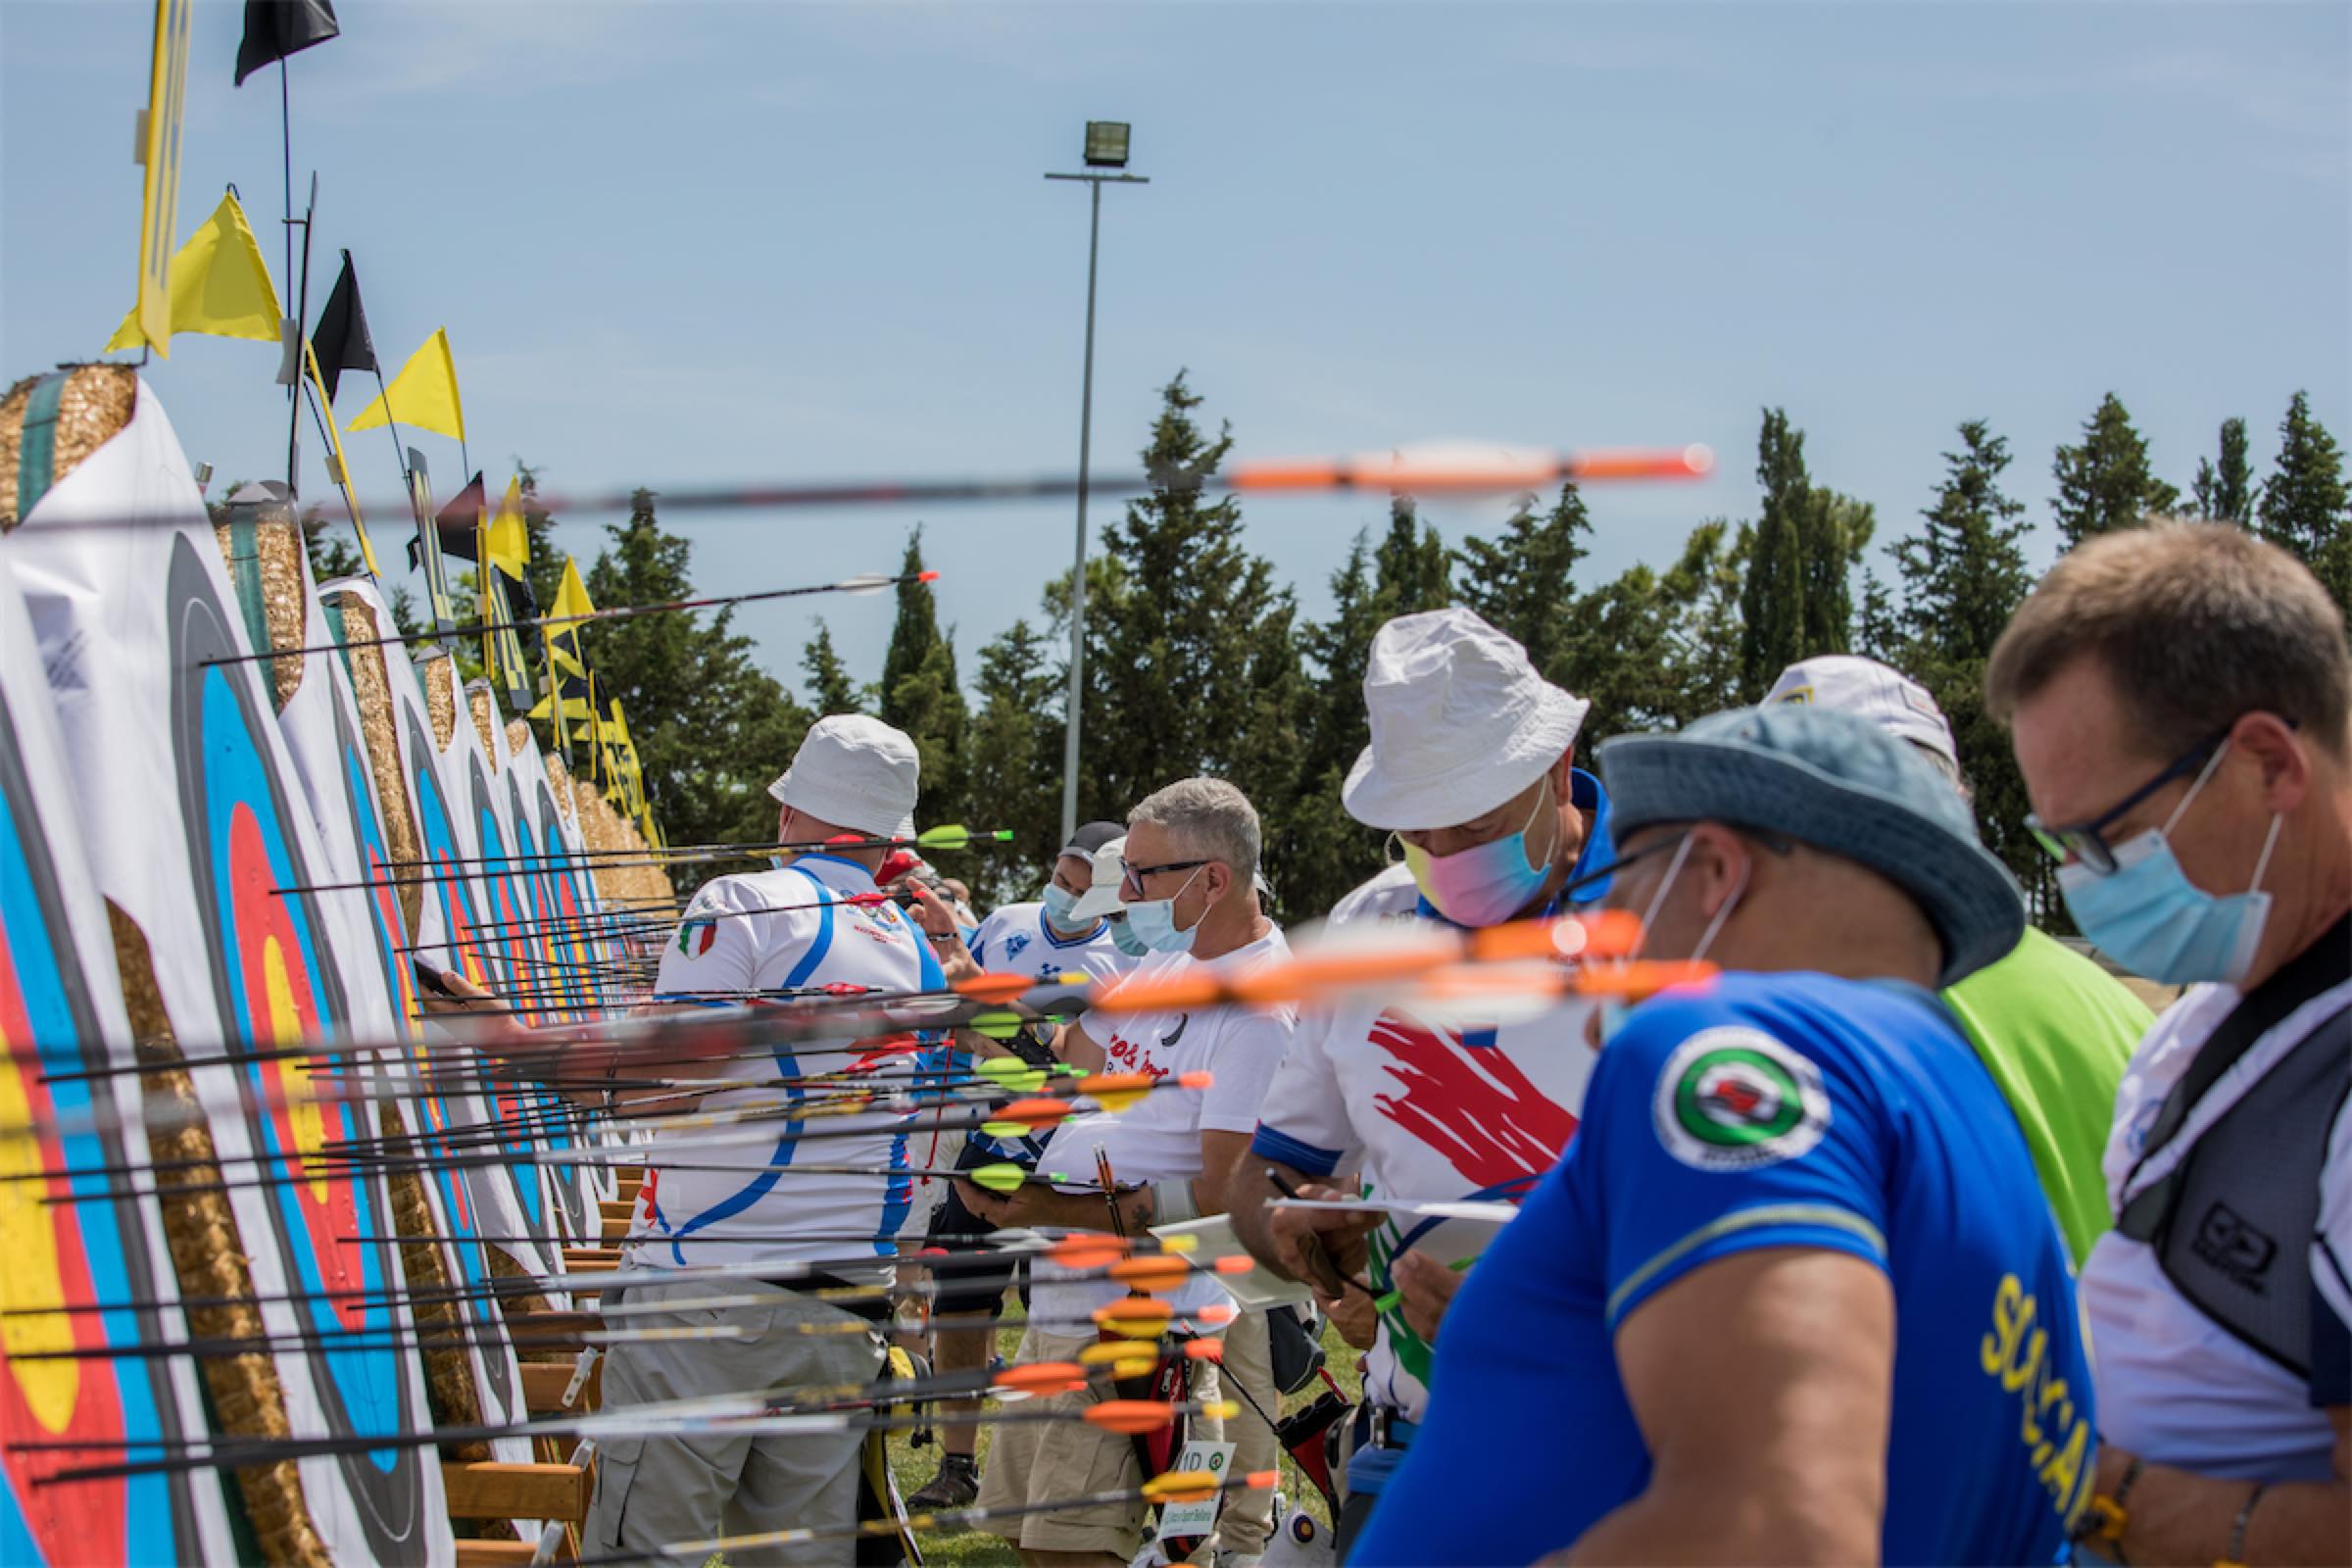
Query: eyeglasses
point(1132, 876)
point(2086, 841)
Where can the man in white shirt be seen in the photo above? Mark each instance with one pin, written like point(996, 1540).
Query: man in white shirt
point(2180, 698)
point(1190, 865)
point(770, 933)
point(1471, 765)
point(1045, 939)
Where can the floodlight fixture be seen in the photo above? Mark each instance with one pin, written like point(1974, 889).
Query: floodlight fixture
point(1106, 143)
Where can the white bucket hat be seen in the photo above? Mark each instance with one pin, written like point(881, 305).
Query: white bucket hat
point(1866, 689)
point(1460, 724)
point(854, 772)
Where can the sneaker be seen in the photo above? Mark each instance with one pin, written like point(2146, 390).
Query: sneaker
point(954, 1487)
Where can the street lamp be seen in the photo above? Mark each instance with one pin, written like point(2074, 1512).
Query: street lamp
point(1105, 150)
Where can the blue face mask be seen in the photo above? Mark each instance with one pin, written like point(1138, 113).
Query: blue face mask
point(1488, 883)
point(1154, 922)
point(1123, 938)
point(1059, 901)
point(2148, 916)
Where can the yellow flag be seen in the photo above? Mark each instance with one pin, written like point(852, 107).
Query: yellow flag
point(564, 636)
point(220, 285)
point(507, 546)
point(424, 394)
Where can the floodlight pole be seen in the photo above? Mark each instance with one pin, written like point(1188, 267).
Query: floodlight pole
point(1085, 431)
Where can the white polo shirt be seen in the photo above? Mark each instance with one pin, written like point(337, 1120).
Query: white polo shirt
point(778, 931)
point(1017, 939)
point(1159, 1135)
point(1429, 1111)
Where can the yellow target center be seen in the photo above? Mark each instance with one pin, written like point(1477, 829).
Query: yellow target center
point(303, 1118)
point(31, 1279)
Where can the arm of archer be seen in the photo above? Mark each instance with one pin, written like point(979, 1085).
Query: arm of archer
point(1077, 1048)
point(1763, 1385)
point(2179, 1517)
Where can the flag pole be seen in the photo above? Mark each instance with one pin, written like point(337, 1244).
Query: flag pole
point(302, 316)
point(285, 129)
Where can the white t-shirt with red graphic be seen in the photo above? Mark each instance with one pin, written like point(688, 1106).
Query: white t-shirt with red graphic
point(1159, 1137)
point(1416, 1110)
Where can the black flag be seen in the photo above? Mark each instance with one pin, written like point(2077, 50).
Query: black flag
point(341, 342)
point(459, 523)
point(276, 29)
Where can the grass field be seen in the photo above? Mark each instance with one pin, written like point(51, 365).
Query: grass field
point(915, 1466)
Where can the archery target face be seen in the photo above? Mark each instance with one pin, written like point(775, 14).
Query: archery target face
point(274, 976)
point(91, 1253)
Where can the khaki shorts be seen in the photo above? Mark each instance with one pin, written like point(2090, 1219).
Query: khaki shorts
point(1039, 1461)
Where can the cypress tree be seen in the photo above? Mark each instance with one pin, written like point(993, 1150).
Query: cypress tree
point(2223, 492)
point(2105, 482)
point(2304, 502)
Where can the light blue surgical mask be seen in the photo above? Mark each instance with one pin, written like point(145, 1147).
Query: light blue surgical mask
point(1488, 883)
point(1123, 938)
point(1615, 1013)
point(2148, 916)
point(1059, 901)
point(1154, 921)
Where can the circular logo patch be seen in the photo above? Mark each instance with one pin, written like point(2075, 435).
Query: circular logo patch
point(1736, 1099)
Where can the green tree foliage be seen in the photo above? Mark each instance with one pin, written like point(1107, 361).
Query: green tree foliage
point(1325, 852)
point(830, 689)
point(1524, 580)
point(1186, 658)
point(1014, 752)
point(1964, 573)
point(1796, 601)
point(711, 728)
point(2223, 491)
point(2105, 482)
point(919, 692)
point(2305, 502)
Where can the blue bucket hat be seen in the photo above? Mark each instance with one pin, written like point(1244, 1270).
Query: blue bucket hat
point(1843, 786)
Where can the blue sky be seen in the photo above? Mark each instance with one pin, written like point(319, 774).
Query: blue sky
point(698, 242)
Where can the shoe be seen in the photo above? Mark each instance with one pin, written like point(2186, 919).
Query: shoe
point(954, 1487)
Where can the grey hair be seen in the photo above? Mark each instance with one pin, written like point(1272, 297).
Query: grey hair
point(1210, 817)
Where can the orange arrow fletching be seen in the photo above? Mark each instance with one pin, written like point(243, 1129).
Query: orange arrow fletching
point(1087, 1251)
point(1044, 1112)
point(1042, 1377)
point(1195, 986)
point(1196, 1080)
point(1236, 1264)
point(1219, 1313)
point(1116, 1091)
point(992, 987)
point(1204, 1350)
point(1133, 1417)
point(1182, 1484)
point(1162, 1272)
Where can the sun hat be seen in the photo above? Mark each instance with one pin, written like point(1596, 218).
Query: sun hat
point(1849, 683)
point(854, 772)
point(1090, 838)
point(1102, 898)
point(1460, 722)
point(1840, 784)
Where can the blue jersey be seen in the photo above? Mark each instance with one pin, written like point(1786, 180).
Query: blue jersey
point(1765, 1110)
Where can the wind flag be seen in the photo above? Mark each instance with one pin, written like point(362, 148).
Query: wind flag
point(341, 341)
point(276, 29)
point(219, 286)
point(564, 638)
point(458, 524)
point(504, 570)
point(424, 393)
point(507, 547)
point(627, 788)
